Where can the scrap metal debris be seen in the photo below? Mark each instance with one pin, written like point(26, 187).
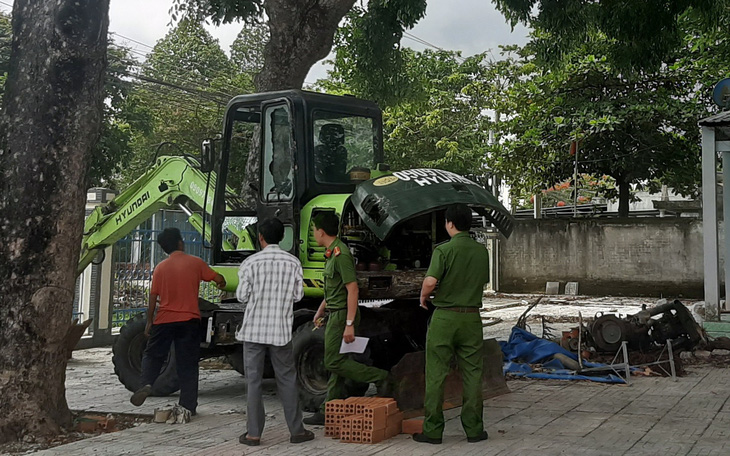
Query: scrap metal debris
point(648, 328)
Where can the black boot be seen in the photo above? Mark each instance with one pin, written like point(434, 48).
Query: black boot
point(425, 439)
point(317, 419)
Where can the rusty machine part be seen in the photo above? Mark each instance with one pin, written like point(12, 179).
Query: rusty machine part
point(642, 331)
point(569, 341)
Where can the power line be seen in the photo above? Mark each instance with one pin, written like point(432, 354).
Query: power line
point(218, 73)
point(413, 37)
point(203, 94)
point(431, 45)
point(129, 39)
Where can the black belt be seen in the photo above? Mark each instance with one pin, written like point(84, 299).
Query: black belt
point(335, 310)
point(460, 309)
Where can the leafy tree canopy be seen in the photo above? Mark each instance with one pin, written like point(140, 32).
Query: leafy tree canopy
point(639, 129)
point(636, 34)
point(187, 80)
point(247, 51)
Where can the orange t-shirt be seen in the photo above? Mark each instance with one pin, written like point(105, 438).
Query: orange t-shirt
point(176, 281)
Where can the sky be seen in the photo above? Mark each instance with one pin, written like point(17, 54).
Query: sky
point(470, 26)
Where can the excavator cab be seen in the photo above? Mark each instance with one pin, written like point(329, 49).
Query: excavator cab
point(310, 144)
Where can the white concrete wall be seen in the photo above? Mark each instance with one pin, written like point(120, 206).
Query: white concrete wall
point(640, 256)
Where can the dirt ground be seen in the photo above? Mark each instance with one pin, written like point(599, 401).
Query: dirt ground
point(85, 425)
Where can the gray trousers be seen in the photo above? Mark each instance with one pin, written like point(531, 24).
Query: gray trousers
point(282, 360)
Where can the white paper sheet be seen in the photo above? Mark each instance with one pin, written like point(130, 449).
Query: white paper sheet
point(357, 346)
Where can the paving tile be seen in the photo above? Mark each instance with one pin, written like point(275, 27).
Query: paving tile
point(719, 428)
point(651, 404)
point(653, 416)
point(574, 424)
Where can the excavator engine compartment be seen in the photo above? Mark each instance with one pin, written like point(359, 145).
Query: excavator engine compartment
point(394, 268)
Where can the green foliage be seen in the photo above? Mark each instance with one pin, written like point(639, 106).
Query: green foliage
point(367, 49)
point(640, 129)
point(125, 117)
point(442, 124)
point(640, 35)
point(219, 11)
point(247, 51)
point(591, 189)
point(6, 35)
point(438, 119)
point(187, 81)
point(188, 53)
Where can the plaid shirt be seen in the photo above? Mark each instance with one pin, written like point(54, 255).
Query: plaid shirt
point(269, 283)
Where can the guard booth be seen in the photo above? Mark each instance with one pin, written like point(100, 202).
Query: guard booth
point(93, 287)
point(715, 151)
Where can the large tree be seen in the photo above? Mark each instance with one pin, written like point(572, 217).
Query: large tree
point(126, 119)
point(638, 128)
point(302, 32)
point(640, 34)
point(438, 118)
point(52, 113)
point(183, 86)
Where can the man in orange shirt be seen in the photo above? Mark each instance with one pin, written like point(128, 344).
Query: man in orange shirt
point(176, 282)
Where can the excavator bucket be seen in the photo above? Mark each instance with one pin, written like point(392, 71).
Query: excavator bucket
point(410, 380)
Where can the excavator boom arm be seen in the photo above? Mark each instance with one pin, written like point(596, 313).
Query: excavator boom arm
point(172, 180)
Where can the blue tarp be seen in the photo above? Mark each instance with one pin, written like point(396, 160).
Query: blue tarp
point(524, 348)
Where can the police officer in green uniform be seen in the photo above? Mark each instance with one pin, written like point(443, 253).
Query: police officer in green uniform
point(340, 302)
point(461, 268)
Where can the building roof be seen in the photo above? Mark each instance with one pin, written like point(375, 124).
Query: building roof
point(718, 120)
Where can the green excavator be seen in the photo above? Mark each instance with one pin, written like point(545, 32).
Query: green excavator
point(317, 153)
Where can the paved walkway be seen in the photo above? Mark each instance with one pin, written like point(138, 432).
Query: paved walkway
point(653, 416)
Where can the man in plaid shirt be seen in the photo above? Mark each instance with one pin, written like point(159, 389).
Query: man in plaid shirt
point(269, 283)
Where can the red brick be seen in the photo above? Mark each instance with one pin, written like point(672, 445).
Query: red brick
point(334, 406)
point(392, 431)
point(395, 420)
point(413, 426)
point(346, 436)
point(346, 424)
point(373, 436)
point(392, 407)
point(332, 431)
point(356, 421)
point(378, 415)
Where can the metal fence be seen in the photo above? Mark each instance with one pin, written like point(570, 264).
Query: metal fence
point(135, 257)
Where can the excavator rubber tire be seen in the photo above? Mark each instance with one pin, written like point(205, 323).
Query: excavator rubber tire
point(127, 358)
point(308, 347)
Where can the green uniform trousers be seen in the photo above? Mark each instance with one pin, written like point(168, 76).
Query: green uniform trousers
point(341, 366)
point(452, 333)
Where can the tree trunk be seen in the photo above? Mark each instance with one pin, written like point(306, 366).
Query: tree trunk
point(53, 109)
point(301, 33)
point(624, 196)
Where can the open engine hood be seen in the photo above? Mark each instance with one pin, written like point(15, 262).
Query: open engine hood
point(386, 201)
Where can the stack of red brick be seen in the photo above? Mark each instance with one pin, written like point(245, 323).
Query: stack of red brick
point(362, 419)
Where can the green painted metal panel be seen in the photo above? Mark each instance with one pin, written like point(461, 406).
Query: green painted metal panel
point(386, 201)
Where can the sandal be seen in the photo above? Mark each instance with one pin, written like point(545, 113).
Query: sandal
point(246, 441)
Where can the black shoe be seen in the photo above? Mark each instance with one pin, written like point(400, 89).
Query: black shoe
point(316, 420)
point(301, 438)
point(246, 441)
point(425, 439)
point(140, 395)
point(479, 438)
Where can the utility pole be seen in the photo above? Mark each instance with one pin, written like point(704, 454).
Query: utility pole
point(574, 146)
